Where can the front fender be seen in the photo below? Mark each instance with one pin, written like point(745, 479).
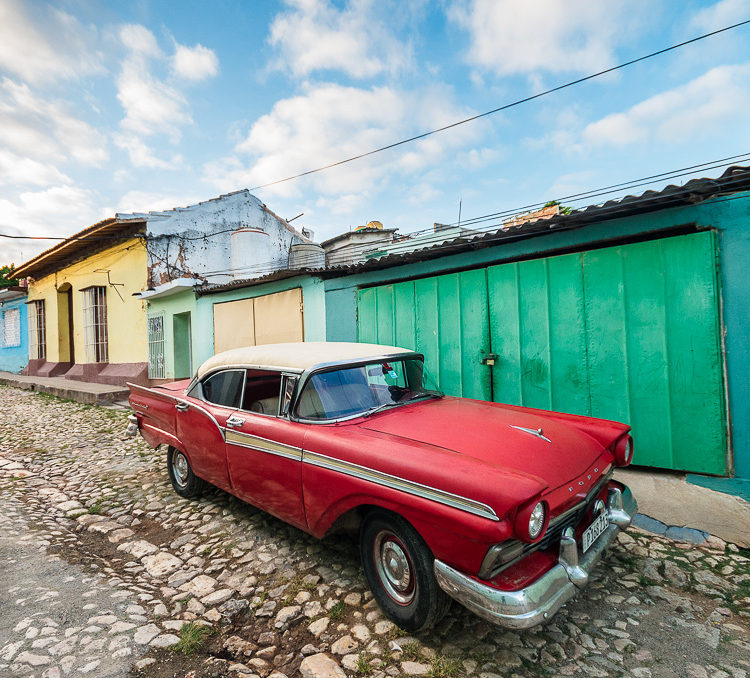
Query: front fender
point(453, 536)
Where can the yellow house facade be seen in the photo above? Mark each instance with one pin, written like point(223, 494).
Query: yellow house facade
point(84, 322)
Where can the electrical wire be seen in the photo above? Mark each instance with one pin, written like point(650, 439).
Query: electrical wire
point(502, 237)
point(438, 237)
point(504, 107)
point(355, 251)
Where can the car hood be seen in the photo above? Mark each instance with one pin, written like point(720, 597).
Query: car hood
point(493, 434)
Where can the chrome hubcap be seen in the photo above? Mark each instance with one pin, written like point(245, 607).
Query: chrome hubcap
point(394, 568)
point(180, 468)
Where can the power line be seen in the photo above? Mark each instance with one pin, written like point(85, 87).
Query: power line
point(431, 132)
point(505, 106)
point(438, 237)
point(502, 236)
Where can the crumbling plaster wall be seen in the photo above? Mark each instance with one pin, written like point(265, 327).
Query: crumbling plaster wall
point(233, 236)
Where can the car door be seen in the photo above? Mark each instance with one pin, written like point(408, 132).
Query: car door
point(264, 449)
point(201, 419)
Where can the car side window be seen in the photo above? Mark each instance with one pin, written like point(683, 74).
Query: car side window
point(224, 388)
point(261, 393)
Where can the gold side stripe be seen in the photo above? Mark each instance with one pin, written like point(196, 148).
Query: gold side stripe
point(387, 480)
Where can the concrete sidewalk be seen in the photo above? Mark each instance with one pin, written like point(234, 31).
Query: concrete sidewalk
point(669, 505)
point(81, 391)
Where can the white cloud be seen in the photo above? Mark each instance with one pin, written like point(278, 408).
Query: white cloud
point(40, 44)
point(44, 129)
point(19, 171)
point(56, 211)
point(195, 63)
point(155, 107)
point(330, 122)
point(522, 37)
point(724, 13)
point(145, 201)
point(151, 105)
point(141, 155)
point(358, 40)
point(692, 111)
point(139, 40)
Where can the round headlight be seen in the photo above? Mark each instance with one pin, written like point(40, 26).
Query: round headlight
point(537, 520)
point(629, 451)
point(624, 451)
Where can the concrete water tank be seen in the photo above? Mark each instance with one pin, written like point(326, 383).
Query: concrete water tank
point(306, 255)
point(252, 253)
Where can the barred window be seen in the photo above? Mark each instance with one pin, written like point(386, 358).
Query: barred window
point(155, 347)
point(10, 328)
point(95, 324)
point(37, 331)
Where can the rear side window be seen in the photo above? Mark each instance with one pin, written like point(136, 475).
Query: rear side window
point(262, 389)
point(224, 388)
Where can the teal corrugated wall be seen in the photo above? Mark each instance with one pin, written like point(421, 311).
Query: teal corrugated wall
point(629, 333)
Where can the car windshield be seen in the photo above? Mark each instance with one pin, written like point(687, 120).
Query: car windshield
point(364, 389)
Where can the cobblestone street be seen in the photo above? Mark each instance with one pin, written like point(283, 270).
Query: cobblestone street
point(107, 572)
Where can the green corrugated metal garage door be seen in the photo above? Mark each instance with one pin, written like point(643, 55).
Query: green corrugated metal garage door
point(629, 333)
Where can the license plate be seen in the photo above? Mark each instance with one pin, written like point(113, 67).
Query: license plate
point(594, 531)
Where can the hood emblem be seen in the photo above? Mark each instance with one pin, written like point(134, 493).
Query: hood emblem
point(538, 432)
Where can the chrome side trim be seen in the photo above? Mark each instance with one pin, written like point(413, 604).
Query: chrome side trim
point(166, 394)
point(540, 600)
point(396, 483)
point(263, 445)
point(246, 366)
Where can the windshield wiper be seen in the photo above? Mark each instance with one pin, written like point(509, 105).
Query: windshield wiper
point(424, 394)
point(379, 408)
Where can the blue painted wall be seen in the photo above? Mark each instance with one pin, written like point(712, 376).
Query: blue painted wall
point(15, 358)
point(729, 216)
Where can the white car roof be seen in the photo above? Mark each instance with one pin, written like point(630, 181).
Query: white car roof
point(297, 356)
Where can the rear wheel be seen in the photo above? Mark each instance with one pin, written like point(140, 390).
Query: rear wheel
point(184, 481)
point(398, 567)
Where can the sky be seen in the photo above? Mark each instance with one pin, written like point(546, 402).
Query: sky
point(112, 107)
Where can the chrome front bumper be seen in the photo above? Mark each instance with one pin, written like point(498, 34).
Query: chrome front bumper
point(540, 600)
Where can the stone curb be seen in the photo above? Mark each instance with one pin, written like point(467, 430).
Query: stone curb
point(686, 534)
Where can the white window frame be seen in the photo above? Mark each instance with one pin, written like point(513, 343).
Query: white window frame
point(95, 324)
point(155, 331)
point(10, 330)
point(37, 330)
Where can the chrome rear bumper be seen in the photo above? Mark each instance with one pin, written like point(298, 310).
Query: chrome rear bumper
point(539, 601)
point(132, 429)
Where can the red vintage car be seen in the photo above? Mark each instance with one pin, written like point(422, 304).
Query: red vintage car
point(505, 509)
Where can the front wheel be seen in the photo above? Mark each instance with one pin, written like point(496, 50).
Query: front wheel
point(184, 481)
point(398, 567)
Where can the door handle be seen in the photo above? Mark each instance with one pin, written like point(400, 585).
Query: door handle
point(235, 421)
point(181, 407)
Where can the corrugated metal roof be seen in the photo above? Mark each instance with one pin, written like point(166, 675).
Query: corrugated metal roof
point(733, 180)
point(281, 274)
